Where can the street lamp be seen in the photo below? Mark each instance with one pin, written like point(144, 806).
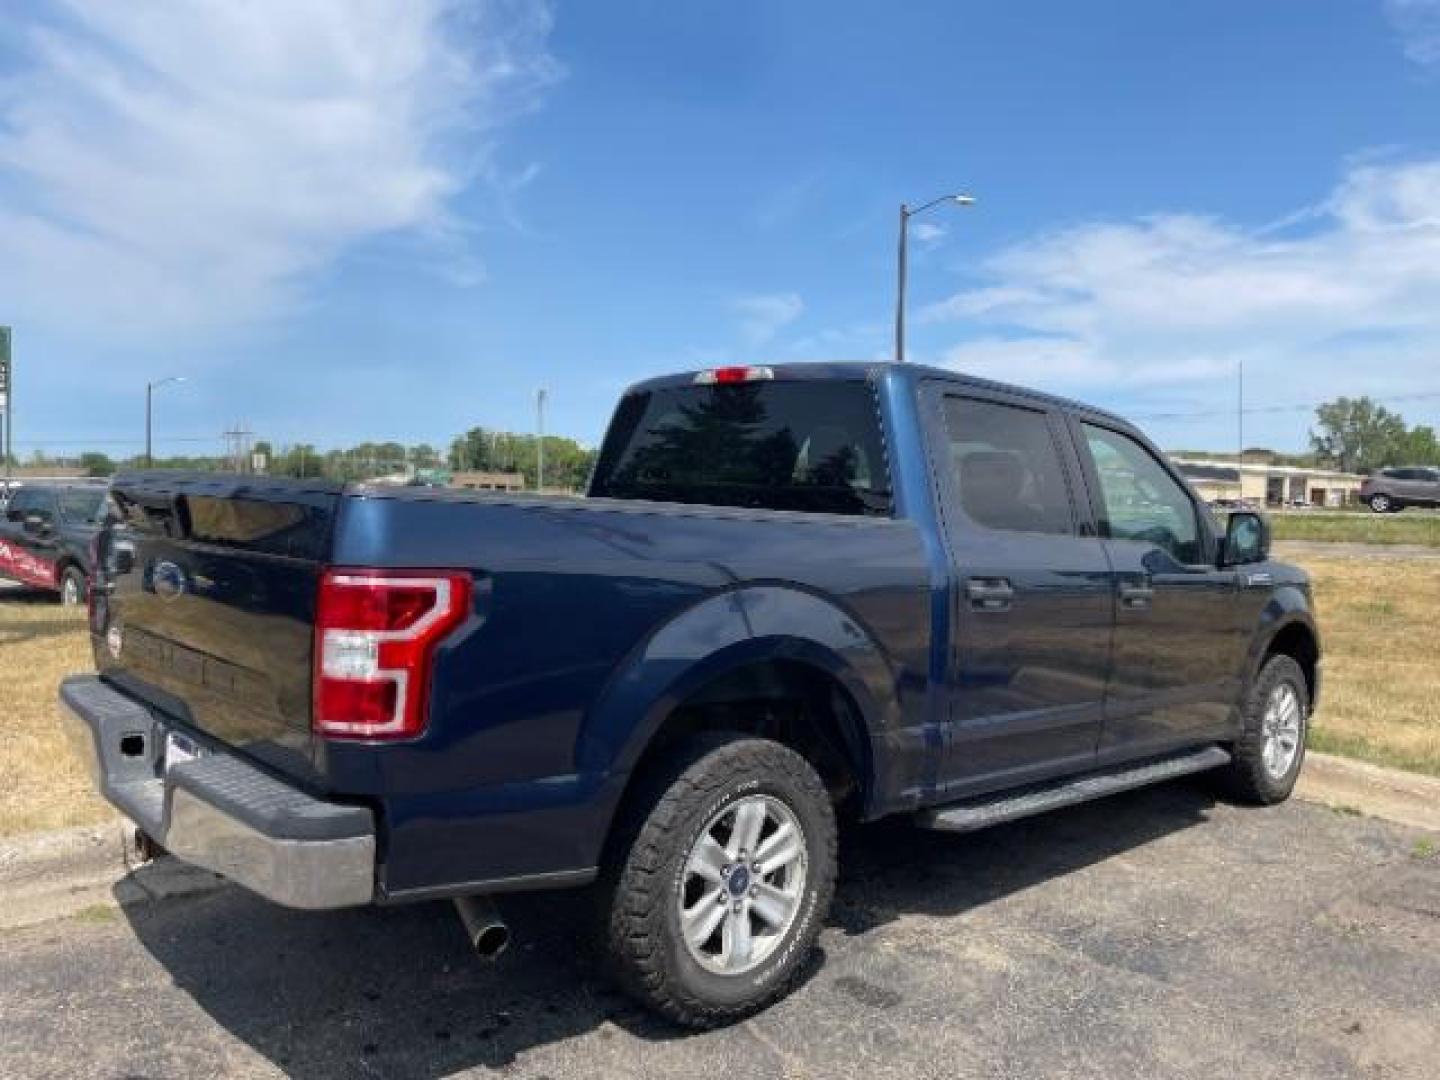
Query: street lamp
point(150, 388)
point(540, 440)
point(958, 199)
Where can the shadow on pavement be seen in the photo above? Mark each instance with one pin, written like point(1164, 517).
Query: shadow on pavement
point(395, 991)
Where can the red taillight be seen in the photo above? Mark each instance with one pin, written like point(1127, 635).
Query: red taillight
point(375, 635)
point(723, 375)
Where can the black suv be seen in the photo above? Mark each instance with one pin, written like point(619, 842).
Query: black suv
point(45, 536)
point(1390, 490)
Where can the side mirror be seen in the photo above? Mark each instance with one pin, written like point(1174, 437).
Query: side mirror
point(1247, 539)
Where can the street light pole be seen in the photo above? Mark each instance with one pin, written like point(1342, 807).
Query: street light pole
point(150, 388)
point(540, 440)
point(902, 262)
point(959, 198)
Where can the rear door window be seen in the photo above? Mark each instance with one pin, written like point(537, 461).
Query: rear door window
point(802, 445)
point(1004, 468)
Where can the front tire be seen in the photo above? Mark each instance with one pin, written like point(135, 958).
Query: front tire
point(1380, 503)
point(717, 899)
point(72, 587)
point(1267, 758)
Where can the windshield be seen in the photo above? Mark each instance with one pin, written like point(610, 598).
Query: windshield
point(774, 445)
point(81, 506)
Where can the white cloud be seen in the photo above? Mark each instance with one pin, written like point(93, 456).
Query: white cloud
point(169, 168)
point(1418, 24)
point(1352, 300)
point(927, 233)
point(764, 316)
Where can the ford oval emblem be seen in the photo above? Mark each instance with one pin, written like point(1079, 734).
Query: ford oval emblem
point(168, 580)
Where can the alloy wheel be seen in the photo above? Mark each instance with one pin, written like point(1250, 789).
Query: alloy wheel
point(743, 881)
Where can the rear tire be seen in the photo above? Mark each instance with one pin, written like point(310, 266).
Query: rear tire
point(72, 586)
point(696, 930)
point(1275, 715)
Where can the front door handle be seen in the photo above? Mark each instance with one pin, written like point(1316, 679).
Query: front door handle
point(989, 594)
point(1136, 596)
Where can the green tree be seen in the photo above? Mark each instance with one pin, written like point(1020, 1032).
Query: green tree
point(1357, 434)
point(97, 464)
point(1418, 446)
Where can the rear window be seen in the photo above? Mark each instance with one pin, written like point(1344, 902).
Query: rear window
point(768, 445)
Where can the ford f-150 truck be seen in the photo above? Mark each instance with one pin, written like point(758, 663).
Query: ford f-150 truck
point(793, 594)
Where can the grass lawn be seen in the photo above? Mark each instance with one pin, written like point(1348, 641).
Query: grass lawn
point(1361, 527)
point(1381, 702)
point(1380, 624)
point(42, 784)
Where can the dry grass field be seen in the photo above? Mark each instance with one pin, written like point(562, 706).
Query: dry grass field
point(1381, 627)
point(1381, 701)
point(42, 785)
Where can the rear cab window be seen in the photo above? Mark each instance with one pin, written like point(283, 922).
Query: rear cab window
point(804, 445)
point(1004, 469)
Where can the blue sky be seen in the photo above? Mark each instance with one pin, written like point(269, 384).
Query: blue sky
point(347, 219)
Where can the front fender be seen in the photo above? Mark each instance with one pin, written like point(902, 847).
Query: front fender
point(732, 629)
point(1287, 605)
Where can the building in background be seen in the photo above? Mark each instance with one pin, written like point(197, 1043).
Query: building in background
point(489, 481)
point(1270, 485)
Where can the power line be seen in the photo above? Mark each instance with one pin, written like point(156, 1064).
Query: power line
point(119, 442)
point(1259, 409)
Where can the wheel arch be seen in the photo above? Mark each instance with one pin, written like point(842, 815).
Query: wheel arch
point(64, 563)
point(756, 647)
point(1290, 631)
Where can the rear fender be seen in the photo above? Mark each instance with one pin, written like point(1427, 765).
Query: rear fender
point(721, 634)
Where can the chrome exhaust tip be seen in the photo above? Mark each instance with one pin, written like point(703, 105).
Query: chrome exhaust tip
point(488, 934)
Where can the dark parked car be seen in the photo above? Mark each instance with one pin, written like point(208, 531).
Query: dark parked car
point(45, 536)
point(1391, 490)
point(795, 595)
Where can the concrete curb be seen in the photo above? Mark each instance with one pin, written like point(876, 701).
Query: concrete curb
point(54, 875)
point(1402, 797)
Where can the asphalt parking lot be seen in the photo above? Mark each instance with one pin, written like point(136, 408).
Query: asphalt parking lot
point(1154, 934)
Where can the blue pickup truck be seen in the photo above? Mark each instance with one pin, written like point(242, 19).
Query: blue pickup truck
point(794, 595)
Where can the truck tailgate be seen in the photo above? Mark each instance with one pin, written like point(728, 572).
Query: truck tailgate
point(205, 605)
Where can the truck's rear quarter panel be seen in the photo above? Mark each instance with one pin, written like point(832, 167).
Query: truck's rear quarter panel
point(567, 590)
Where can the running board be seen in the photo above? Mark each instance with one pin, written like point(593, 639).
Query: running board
point(993, 809)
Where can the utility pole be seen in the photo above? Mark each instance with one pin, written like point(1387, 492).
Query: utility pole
point(237, 446)
point(540, 440)
point(1240, 421)
point(150, 388)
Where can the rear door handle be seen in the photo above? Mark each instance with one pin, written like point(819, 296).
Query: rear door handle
point(989, 594)
point(1136, 596)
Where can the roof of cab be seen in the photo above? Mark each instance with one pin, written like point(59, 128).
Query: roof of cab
point(875, 370)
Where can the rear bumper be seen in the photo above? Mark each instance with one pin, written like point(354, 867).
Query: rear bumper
point(217, 810)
